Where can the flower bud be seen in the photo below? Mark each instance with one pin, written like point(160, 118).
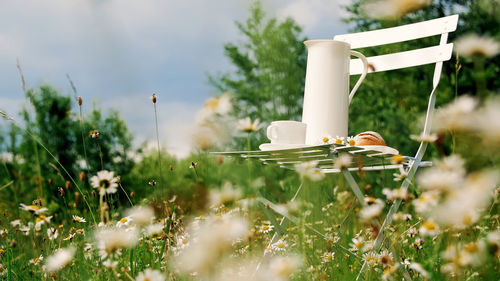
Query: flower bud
point(153, 98)
point(80, 101)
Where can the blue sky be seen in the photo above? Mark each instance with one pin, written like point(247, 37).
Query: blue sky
point(118, 52)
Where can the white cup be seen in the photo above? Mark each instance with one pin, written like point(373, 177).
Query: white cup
point(287, 132)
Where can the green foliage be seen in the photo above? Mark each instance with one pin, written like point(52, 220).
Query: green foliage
point(50, 127)
point(394, 102)
point(268, 81)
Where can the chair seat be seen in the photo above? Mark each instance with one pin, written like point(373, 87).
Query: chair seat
point(363, 158)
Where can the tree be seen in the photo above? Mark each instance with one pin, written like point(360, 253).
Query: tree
point(51, 126)
point(270, 69)
point(391, 102)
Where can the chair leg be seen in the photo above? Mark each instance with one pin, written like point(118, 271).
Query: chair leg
point(354, 186)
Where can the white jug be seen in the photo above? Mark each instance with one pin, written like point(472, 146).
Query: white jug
point(326, 94)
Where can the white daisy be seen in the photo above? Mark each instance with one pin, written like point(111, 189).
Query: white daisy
point(371, 259)
point(105, 182)
point(33, 209)
point(327, 257)
point(154, 229)
point(141, 215)
point(327, 140)
point(15, 223)
point(279, 245)
point(343, 161)
point(265, 228)
point(247, 125)
point(391, 9)
point(40, 220)
point(52, 233)
point(309, 170)
point(78, 219)
point(36, 261)
point(109, 263)
point(60, 259)
point(350, 141)
point(124, 222)
point(474, 45)
point(429, 228)
point(339, 140)
point(150, 275)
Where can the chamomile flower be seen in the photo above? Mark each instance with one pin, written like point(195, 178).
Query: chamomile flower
point(397, 159)
point(372, 211)
point(371, 259)
point(109, 263)
point(33, 209)
point(36, 261)
point(391, 9)
point(339, 140)
point(474, 45)
point(69, 237)
point(52, 233)
point(265, 228)
point(78, 219)
point(282, 267)
point(424, 138)
point(327, 140)
point(350, 141)
point(395, 194)
point(124, 222)
point(247, 125)
point(386, 259)
point(429, 228)
point(150, 275)
point(15, 223)
point(412, 232)
point(105, 182)
point(60, 259)
point(279, 245)
point(400, 176)
point(309, 170)
point(343, 161)
point(154, 229)
point(141, 215)
point(40, 220)
point(327, 257)
point(357, 243)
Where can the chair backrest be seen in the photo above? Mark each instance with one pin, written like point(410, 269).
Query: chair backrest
point(439, 53)
point(436, 54)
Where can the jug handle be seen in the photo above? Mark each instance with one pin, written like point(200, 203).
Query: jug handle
point(363, 75)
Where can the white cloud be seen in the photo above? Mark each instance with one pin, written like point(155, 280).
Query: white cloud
point(121, 51)
point(315, 15)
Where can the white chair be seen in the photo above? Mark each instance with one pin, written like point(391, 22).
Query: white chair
point(436, 54)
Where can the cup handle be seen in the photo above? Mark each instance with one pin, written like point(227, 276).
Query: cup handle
point(363, 75)
point(271, 132)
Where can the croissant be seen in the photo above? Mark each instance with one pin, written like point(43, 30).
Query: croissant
point(369, 138)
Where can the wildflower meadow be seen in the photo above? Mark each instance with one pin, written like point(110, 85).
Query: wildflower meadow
point(79, 200)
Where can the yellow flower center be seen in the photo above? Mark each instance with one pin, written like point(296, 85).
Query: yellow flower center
point(352, 142)
point(325, 140)
point(212, 103)
point(338, 141)
point(40, 218)
point(123, 220)
point(34, 207)
point(265, 227)
point(429, 225)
